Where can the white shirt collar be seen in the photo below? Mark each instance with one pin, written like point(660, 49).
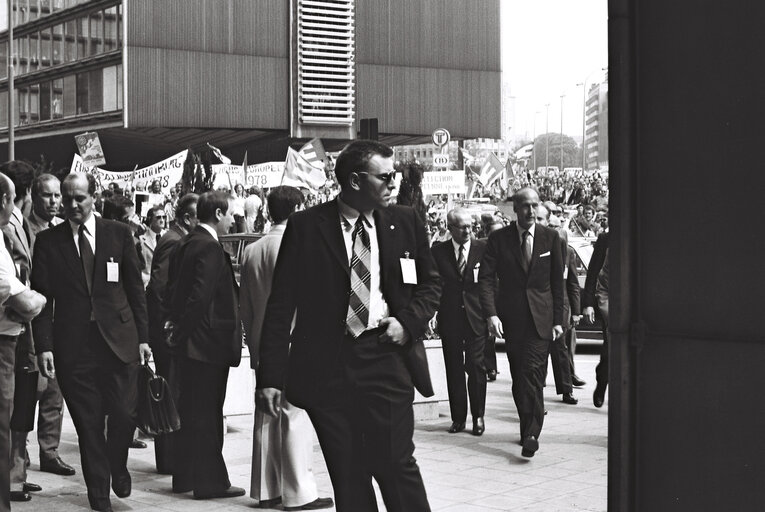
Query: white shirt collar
point(456, 246)
point(209, 230)
point(530, 230)
point(90, 226)
point(351, 215)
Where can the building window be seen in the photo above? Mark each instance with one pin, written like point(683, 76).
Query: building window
point(70, 41)
point(57, 99)
point(58, 45)
point(70, 96)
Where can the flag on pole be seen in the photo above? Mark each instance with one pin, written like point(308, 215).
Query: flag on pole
point(244, 169)
point(491, 170)
point(298, 172)
point(223, 159)
point(313, 152)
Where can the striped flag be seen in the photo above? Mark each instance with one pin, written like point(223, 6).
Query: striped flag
point(491, 170)
point(313, 152)
point(298, 172)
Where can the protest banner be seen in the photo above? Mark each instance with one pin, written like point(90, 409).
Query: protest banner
point(443, 182)
point(89, 146)
point(265, 175)
point(168, 172)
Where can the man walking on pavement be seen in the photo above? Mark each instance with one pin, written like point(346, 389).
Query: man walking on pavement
point(282, 447)
point(461, 323)
point(596, 295)
point(523, 264)
point(360, 275)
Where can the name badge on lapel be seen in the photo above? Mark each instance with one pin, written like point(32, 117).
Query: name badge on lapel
point(565, 273)
point(408, 269)
point(112, 271)
point(475, 271)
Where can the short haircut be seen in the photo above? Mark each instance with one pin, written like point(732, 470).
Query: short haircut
point(152, 212)
point(116, 207)
point(184, 204)
point(21, 174)
point(515, 198)
point(38, 182)
point(211, 201)
point(355, 157)
point(588, 207)
point(4, 188)
point(91, 180)
point(282, 201)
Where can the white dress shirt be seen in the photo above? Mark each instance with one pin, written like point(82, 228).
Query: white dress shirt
point(456, 247)
point(378, 308)
point(530, 241)
point(9, 286)
point(90, 233)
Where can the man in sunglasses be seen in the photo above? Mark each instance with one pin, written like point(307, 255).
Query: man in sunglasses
point(360, 275)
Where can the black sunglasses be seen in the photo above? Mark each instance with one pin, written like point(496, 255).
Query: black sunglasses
point(387, 177)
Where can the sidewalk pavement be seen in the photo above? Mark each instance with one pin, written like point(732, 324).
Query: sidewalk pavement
point(462, 472)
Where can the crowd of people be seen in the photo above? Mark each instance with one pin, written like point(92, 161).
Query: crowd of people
point(333, 304)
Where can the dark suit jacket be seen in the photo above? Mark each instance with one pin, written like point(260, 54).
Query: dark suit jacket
point(155, 291)
point(312, 275)
point(593, 270)
point(204, 303)
point(540, 292)
point(119, 308)
point(459, 293)
point(571, 304)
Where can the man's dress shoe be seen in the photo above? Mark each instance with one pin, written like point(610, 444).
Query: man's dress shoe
point(30, 487)
point(231, 492)
point(122, 485)
point(20, 496)
point(491, 375)
point(316, 504)
point(576, 381)
point(568, 398)
point(272, 503)
point(57, 467)
point(456, 427)
point(478, 426)
point(598, 396)
point(530, 446)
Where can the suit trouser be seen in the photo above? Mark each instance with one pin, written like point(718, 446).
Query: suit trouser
point(198, 463)
point(463, 354)
point(561, 365)
point(571, 348)
point(365, 429)
point(22, 422)
point(601, 370)
point(95, 385)
point(7, 385)
point(282, 457)
point(528, 365)
point(490, 354)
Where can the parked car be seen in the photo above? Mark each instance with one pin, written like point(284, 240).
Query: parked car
point(234, 244)
point(583, 247)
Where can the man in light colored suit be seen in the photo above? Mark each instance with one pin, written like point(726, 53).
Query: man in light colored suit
point(282, 447)
point(157, 222)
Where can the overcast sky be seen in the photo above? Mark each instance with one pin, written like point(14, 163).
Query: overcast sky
point(549, 46)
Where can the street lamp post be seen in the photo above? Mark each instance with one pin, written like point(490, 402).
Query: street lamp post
point(547, 138)
point(534, 142)
point(11, 134)
point(561, 132)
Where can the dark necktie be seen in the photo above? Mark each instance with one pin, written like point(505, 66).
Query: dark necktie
point(50, 224)
point(158, 237)
point(87, 257)
point(461, 260)
point(361, 261)
point(526, 251)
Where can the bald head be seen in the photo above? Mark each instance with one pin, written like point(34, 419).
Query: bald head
point(543, 215)
point(7, 197)
point(77, 196)
point(460, 224)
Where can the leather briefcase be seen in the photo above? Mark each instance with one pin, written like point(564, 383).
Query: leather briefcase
point(157, 413)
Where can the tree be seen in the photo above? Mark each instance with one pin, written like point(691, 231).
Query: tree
point(551, 144)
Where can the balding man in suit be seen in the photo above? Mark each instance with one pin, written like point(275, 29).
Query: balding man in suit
point(93, 332)
point(524, 265)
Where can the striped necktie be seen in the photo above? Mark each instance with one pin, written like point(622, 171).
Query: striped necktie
point(526, 251)
point(461, 260)
point(361, 260)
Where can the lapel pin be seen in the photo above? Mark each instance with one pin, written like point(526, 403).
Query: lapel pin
point(392, 226)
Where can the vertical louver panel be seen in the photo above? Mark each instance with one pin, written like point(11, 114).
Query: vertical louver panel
point(326, 81)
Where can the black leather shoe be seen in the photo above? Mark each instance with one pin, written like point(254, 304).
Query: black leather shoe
point(101, 505)
point(272, 503)
point(30, 487)
point(456, 427)
point(231, 492)
point(122, 485)
point(316, 504)
point(137, 443)
point(530, 446)
point(57, 467)
point(599, 396)
point(491, 375)
point(568, 398)
point(20, 496)
point(576, 381)
point(478, 426)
